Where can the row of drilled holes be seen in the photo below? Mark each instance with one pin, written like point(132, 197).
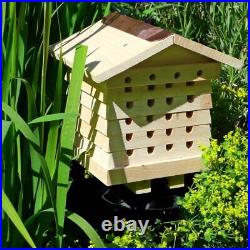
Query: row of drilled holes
point(151, 102)
point(151, 133)
point(150, 118)
point(153, 87)
point(152, 77)
point(169, 147)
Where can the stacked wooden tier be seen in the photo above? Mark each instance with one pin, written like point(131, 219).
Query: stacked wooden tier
point(136, 125)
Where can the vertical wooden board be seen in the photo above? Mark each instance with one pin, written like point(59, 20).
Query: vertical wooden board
point(140, 187)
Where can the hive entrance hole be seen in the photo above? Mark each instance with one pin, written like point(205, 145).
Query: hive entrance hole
point(169, 100)
point(130, 152)
point(168, 116)
point(168, 85)
point(151, 87)
point(129, 136)
point(189, 114)
point(189, 144)
point(169, 147)
point(151, 102)
point(152, 77)
point(150, 150)
point(189, 129)
point(128, 121)
point(190, 98)
point(150, 118)
point(129, 105)
point(127, 79)
point(128, 89)
point(169, 131)
point(190, 84)
point(150, 134)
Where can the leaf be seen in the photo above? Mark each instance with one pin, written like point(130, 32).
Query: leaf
point(87, 228)
point(5, 128)
point(26, 131)
point(14, 217)
point(75, 218)
point(68, 133)
point(53, 117)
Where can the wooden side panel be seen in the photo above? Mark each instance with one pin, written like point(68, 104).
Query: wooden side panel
point(123, 110)
point(143, 139)
point(144, 123)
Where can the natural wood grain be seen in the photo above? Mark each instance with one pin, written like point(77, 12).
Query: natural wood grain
point(142, 139)
point(162, 169)
point(165, 74)
point(140, 124)
point(122, 110)
point(142, 155)
point(140, 187)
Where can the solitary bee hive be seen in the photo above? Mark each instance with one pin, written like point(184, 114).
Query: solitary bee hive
point(145, 101)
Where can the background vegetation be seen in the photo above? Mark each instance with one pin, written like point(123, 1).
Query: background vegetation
point(33, 86)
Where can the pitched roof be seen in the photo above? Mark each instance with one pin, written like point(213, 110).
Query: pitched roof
point(118, 42)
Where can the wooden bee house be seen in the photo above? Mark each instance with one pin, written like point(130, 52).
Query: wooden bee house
point(145, 101)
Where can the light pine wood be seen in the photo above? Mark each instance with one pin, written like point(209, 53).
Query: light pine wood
point(120, 110)
point(208, 52)
point(162, 169)
point(129, 50)
point(149, 91)
point(141, 155)
point(141, 124)
point(140, 187)
point(166, 74)
point(142, 139)
point(176, 181)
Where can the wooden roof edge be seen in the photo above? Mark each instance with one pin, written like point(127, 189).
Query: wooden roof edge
point(208, 52)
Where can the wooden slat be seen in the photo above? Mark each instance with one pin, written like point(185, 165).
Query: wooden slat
point(123, 141)
point(162, 169)
point(148, 91)
point(164, 74)
point(140, 124)
point(122, 110)
point(141, 156)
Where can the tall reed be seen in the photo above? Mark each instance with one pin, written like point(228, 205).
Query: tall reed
point(34, 103)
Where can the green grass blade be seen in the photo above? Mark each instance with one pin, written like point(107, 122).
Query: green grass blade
point(53, 117)
point(26, 131)
point(76, 219)
point(87, 229)
point(5, 128)
point(68, 133)
point(14, 217)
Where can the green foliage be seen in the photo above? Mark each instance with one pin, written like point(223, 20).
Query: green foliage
point(215, 210)
point(34, 93)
